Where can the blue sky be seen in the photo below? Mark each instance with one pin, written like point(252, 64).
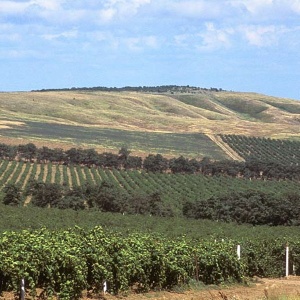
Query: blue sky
point(240, 45)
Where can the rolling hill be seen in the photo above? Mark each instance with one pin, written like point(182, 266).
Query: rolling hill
point(172, 123)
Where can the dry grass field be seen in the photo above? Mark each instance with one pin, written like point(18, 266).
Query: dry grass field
point(205, 113)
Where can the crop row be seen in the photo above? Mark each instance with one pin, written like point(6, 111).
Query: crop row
point(173, 188)
point(265, 149)
point(64, 263)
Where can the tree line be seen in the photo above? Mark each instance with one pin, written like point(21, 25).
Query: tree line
point(251, 169)
point(104, 197)
point(249, 206)
point(144, 89)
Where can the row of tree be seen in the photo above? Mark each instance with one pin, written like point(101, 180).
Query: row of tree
point(250, 206)
point(253, 207)
point(144, 89)
point(152, 163)
point(104, 197)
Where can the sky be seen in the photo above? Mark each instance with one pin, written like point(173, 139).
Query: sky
point(238, 45)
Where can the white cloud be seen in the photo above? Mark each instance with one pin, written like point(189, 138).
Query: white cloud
point(214, 38)
point(295, 5)
point(181, 39)
point(106, 15)
point(117, 42)
point(265, 36)
point(120, 9)
point(261, 36)
point(151, 42)
point(49, 5)
point(14, 37)
point(16, 53)
point(137, 44)
point(12, 7)
point(66, 35)
point(253, 6)
point(197, 9)
point(104, 38)
point(16, 7)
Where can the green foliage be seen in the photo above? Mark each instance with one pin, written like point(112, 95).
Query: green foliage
point(282, 152)
point(12, 195)
point(253, 207)
point(190, 144)
point(248, 108)
point(132, 191)
point(44, 194)
point(292, 108)
point(155, 163)
point(66, 262)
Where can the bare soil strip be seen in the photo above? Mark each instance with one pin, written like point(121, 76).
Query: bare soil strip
point(77, 176)
point(60, 168)
point(229, 151)
point(83, 173)
point(260, 289)
point(92, 176)
point(116, 179)
point(27, 200)
point(20, 174)
point(97, 171)
point(69, 177)
point(46, 167)
point(27, 176)
point(12, 173)
point(38, 171)
point(7, 168)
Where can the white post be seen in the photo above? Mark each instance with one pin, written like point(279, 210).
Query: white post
point(104, 287)
point(287, 261)
point(22, 292)
point(238, 251)
point(294, 270)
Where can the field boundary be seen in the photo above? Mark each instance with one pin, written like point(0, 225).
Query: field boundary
point(225, 147)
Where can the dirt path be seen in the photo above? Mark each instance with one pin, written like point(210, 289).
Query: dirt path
point(229, 151)
point(260, 289)
point(276, 289)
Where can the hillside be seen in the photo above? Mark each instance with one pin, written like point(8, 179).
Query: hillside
point(170, 123)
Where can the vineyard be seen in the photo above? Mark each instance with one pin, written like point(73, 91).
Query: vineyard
point(143, 223)
point(64, 263)
point(174, 189)
point(264, 149)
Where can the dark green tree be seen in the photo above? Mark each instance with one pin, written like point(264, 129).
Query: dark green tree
point(155, 163)
point(27, 152)
point(45, 194)
point(12, 195)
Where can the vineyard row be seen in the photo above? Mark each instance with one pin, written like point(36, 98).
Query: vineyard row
point(172, 187)
point(265, 149)
point(64, 263)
